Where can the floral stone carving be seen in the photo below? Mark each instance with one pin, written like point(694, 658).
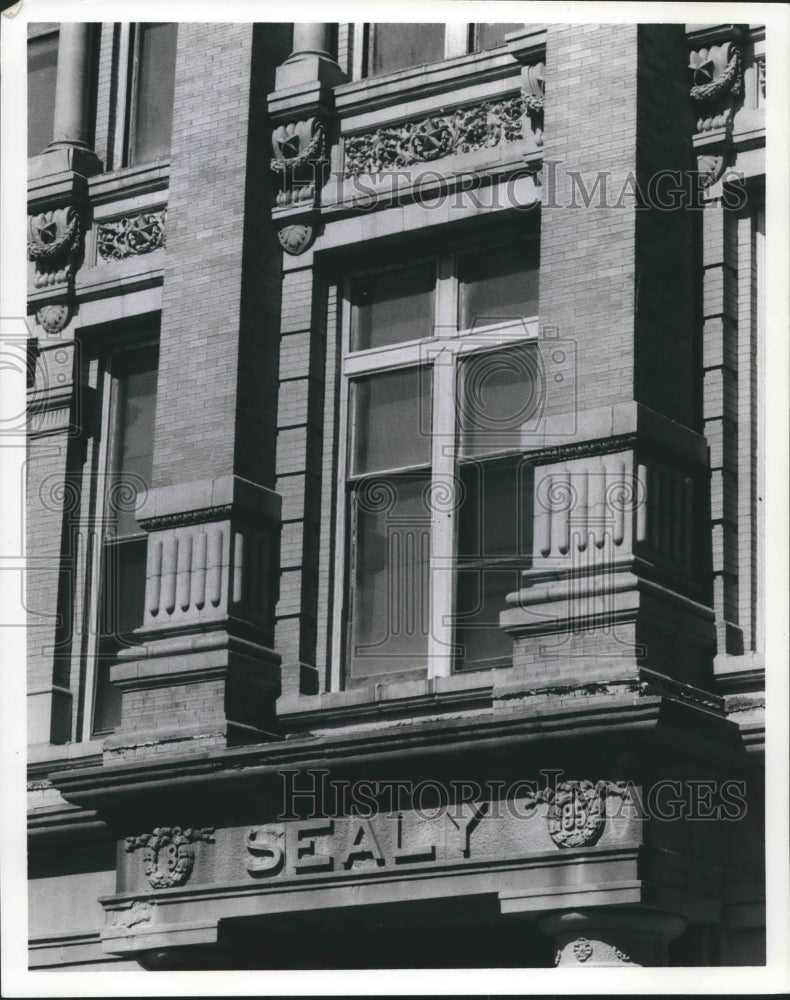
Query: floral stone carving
point(54, 244)
point(300, 157)
point(461, 131)
point(132, 235)
point(168, 854)
point(715, 84)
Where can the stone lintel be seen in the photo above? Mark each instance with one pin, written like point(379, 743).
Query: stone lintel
point(206, 500)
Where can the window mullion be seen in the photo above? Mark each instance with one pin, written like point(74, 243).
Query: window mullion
point(121, 111)
point(456, 39)
point(107, 439)
point(342, 568)
point(443, 525)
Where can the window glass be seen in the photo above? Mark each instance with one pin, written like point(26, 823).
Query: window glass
point(480, 599)
point(392, 307)
point(152, 116)
point(123, 595)
point(494, 540)
point(391, 415)
point(42, 69)
point(498, 285)
point(137, 392)
point(494, 516)
point(499, 395)
point(390, 579)
point(124, 550)
point(489, 35)
point(398, 46)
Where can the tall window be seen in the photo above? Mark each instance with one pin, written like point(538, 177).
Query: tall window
point(130, 404)
point(441, 384)
point(42, 70)
point(153, 81)
point(391, 47)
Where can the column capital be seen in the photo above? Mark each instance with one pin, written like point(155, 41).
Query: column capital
point(611, 936)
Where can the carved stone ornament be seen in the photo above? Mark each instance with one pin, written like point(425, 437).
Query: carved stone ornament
point(299, 156)
point(442, 134)
point(582, 949)
point(168, 854)
point(132, 235)
point(54, 244)
point(296, 238)
point(54, 317)
point(710, 168)
point(140, 912)
point(576, 815)
point(534, 97)
point(715, 84)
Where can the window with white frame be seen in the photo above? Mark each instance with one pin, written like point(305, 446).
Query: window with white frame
point(440, 385)
point(391, 47)
point(125, 457)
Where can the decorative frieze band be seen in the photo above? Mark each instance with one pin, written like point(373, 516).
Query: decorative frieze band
point(132, 235)
point(463, 130)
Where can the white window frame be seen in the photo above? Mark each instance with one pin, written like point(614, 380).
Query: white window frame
point(443, 354)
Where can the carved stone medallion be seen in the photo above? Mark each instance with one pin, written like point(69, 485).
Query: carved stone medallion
point(168, 854)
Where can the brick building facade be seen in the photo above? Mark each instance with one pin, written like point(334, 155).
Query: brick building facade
point(395, 437)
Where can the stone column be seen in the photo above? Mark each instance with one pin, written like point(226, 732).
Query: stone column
point(310, 39)
point(611, 936)
point(310, 61)
point(71, 126)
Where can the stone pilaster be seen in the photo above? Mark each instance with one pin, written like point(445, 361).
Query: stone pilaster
point(611, 937)
point(205, 672)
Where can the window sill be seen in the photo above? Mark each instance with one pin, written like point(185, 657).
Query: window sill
point(376, 701)
point(127, 181)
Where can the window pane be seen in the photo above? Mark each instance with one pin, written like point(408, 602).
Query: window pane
point(500, 397)
point(122, 606)
point(396, 46)
point(392, 307)
point(42, 69)
point(389, 621)
point(136, 412)
point(499, 285)
point(391, 420)
point(495, 515)
point(153, 110)
point(489, 35)
point(480, 599)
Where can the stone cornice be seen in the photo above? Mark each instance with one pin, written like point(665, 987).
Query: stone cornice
point(688, 728)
